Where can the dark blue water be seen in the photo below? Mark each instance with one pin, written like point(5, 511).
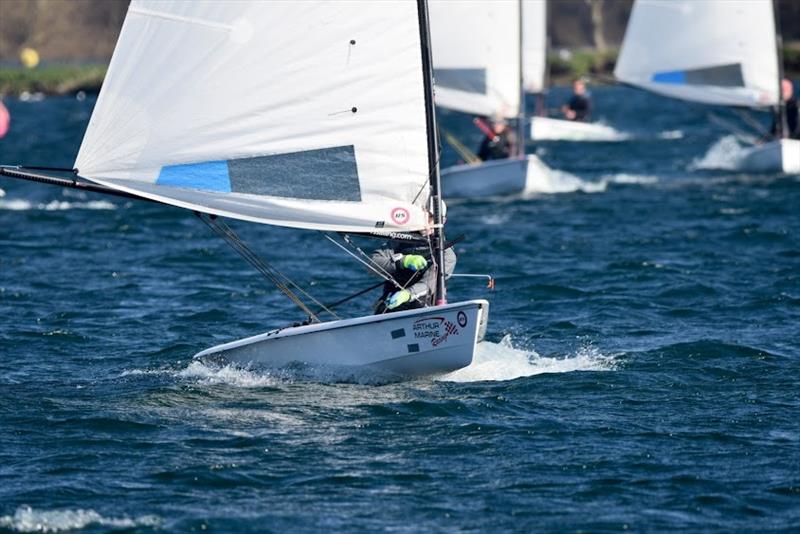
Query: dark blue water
point(641, 371)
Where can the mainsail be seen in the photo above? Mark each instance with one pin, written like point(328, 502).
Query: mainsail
point(303, 114)
point(477, 56)
point(534, 45)
point(711, 51)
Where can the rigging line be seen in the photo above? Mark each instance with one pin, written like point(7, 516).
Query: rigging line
point(261, 269)
point(287, 281)
point(370, 264)
point(280, 280)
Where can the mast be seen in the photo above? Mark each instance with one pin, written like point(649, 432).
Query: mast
point(781, 125)
point(542, 97)
point(433, 152)
point(520, 148)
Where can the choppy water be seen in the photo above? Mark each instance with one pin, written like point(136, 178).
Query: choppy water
point(641, 371)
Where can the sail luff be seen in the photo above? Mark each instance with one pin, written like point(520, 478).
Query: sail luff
point(520, 142)
point(433, 153)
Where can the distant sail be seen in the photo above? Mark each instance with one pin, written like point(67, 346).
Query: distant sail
point(476, 50)
point(307, 114)
point(711, 51)
point(534, 39)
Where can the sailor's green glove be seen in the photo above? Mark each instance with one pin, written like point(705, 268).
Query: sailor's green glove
point(398, 299)
point(415, 262)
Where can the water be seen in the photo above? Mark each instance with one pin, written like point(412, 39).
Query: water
point(640, 371)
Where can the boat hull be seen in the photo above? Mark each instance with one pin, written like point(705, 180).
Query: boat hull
point(547, 129)
point(777, 156)
point(412, 343)
point(506, 177)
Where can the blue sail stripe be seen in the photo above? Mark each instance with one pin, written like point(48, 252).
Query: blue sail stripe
point(204, 176)
point(677, 77)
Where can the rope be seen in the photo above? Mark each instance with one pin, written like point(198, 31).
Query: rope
point(466, 154)
point(280, 280)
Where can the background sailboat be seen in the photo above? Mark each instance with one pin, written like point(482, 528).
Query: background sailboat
point(218, 107)
point(479, 65)
point(713, 52)
point(535, 79)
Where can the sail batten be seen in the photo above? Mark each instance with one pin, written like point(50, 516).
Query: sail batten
point(308, 114)
point(711, 51)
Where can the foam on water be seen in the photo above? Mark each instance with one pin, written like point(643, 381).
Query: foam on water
point(2, 193)
point(725, 154)
point(671, 134)
point(27, 519)
point(502, 361)
point(55, 205)
point(210, 374)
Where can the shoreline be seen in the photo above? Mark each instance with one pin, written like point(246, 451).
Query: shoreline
point(565, 65)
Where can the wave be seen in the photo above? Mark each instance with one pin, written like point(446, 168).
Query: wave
point(726, 154)
point(2, 193)
point(55, 205)
point(26, 519)
point(671, 134)
point(502, 361)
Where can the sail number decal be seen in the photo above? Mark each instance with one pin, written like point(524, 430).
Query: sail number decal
point(400, 215)
point(437, 329)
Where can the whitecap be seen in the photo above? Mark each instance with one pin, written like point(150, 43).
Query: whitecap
point(18, 204)
point(27, 519)
point(725, 154)
point(502, 361)
point(211, 374)
point(671, 134)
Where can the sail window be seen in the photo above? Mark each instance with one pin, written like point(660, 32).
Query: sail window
point(720, 76)
point(467, 80)
point(327, 174)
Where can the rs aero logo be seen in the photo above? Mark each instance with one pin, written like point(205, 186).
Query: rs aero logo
point(400, 216)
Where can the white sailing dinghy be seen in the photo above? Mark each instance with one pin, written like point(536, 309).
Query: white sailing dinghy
point(535, 76)
point(286, 113)
point(478, 61)
point(712, 52)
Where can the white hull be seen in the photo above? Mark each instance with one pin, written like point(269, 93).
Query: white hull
point(547, 129)
point(777, 156)
point(412, 343)
point(505, 177)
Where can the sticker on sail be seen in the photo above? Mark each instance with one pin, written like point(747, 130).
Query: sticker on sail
point(437, 329)
point(400, 215)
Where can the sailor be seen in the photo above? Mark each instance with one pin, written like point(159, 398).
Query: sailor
point(792, 114)
point(409, 264)
point(497, 143)
point(578, 107)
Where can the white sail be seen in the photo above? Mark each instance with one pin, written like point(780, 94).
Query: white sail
point(534, 39)
point(307, 114)
point(476, 55)
point(711, 51)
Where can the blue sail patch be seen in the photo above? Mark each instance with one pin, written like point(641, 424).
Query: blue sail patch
point(720, 76)
point(318, 174)
point(205, 176)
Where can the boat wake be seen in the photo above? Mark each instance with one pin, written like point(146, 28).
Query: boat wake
point(726, 154)
point(27, 519)
point(54, 205)
point(502, 361)
point(564, 182)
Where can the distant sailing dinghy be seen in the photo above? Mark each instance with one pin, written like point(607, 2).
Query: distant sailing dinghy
point(535, 77)
point(478, 60)
point(286, 113)
point(714, 52)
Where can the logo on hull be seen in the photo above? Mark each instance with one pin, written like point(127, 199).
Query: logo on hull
point(437, 329)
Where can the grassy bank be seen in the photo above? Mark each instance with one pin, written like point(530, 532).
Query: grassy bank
point(52, 80)
point(68, 79)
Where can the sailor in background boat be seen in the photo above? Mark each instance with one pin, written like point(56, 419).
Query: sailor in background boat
point(498, 142)
point(792, 113)
point(578, 107)
point(408, 263)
